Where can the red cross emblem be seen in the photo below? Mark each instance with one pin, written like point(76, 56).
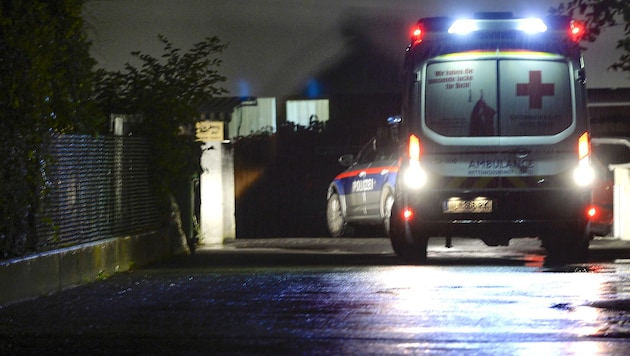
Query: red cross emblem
point(535, 89)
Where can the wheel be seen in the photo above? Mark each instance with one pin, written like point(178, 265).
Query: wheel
point(334, 216)
point(411, 248)
point(386, 211)
point(567, 248)
point(579, 252)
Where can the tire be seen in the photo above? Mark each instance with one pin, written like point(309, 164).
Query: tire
point(411, 248)
point(335, 220)
point(386, 211)
point(570, 247)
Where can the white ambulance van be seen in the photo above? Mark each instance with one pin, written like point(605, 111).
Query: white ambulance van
point(495, 135)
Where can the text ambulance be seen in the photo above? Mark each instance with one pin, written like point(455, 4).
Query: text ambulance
point(496, 135)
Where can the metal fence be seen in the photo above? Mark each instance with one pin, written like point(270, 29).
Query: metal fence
point(99, 188)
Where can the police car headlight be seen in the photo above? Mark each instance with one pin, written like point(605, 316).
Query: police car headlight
point(584, 175)
point(414, 177)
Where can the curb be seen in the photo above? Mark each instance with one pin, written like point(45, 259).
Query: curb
point(604, 243)
point(53, 271)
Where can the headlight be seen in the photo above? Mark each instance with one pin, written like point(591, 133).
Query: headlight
point(584, 175)
point(414, 176)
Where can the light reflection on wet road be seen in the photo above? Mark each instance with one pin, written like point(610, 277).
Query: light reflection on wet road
point(319, 298)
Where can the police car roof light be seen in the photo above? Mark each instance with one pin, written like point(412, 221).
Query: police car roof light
point(393, 120)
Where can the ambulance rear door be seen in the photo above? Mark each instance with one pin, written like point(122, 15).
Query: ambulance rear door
point(499, 114)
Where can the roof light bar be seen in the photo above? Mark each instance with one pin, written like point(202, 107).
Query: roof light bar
point(463, 26)
point(529, 25)
point(393, 120)
point(532, 25)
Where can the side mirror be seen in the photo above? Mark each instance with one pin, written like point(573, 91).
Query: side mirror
point(346, 160)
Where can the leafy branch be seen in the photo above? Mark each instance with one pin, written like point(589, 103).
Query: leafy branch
point(167, 92)
point(599, 15)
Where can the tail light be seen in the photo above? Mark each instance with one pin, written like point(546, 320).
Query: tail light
point(415, 150)
point(592, 212)
point(407, 214)
point(584, 147)
point(584, 174)
point(414, 176)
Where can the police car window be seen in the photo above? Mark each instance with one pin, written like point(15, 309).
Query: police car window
point(368, 153)
point(386, 148)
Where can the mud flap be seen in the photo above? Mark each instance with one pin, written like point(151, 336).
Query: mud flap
point(408, 245)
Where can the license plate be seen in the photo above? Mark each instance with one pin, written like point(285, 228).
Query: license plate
point(467, 206)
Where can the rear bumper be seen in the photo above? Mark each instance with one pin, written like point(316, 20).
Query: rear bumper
point(599, 229)
point(515, 213)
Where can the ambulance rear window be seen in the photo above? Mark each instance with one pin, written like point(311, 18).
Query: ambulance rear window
point(498, 97)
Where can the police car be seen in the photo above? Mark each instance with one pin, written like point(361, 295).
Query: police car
point(364, 193)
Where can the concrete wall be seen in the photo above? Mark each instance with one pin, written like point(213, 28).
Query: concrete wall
point(621, 203)
point(217, 218)
point(53, 271)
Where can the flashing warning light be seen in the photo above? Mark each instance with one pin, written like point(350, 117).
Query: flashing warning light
point(393, 120)
point(576, 30)
point(407, 214)
point(529, 25)
point(532, 25)
point(417, 35)
point(415, 149)
point(584, 146)
point(463, 26)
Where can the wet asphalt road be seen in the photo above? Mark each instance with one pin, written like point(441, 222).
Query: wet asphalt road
point(344, 296)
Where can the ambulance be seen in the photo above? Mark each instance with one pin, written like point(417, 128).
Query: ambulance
point(495, 136)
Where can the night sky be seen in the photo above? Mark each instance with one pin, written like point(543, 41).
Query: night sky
point(278, 47)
